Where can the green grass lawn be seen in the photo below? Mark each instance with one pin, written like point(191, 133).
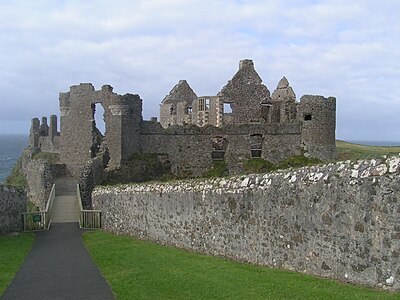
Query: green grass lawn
point(351, 151)
point(143, 270)
point(12, 253)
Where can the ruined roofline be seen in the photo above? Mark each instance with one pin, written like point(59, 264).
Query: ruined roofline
point(182, 91)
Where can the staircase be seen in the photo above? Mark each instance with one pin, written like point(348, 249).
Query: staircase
point(65, 207)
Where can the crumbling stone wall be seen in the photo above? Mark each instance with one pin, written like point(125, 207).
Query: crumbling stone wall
point(44, 137)
point(190, 148)
point(40, 180)
point(338, 220)
point(80, 140)
point(12, 204)
point(91, 175)
point(175, 109)
point(251, 103)
point(283, 104)
point(245, 92)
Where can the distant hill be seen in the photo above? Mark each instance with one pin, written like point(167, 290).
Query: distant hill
point(351, 151)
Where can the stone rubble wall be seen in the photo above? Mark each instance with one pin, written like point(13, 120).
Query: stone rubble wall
point(91, 175)
point(40, 179)
point(12, 204)
point(339, 220)
point(189, 148)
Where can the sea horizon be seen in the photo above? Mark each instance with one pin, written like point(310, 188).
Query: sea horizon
point(11, 147)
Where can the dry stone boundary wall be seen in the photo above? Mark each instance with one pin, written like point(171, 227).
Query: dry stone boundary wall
point(12, 204)
point(339, 220)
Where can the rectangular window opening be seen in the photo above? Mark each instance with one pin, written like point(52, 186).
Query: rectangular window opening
point(227, 108)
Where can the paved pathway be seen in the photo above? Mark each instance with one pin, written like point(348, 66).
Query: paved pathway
point(65, 207)
point(59, 266)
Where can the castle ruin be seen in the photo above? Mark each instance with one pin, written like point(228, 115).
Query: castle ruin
point(339, 220)
point(243, 121)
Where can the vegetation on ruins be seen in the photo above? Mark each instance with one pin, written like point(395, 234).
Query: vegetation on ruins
point(50, 157)
point(143, 270)
point(218, 170)
point(153, 168)
point(12, 253)
point(17, 177)
point(139, 168)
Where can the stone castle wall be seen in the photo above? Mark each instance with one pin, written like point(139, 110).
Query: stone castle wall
point(190, 147)
point(12, 204)
point(338, 220)
point(80, 139)
point(40, 178)
point(318, 127)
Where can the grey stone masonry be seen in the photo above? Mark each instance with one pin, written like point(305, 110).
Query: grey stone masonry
point(339, 220)
point(177, 105)
point(12, 204)
point(245, 92)
point(318, 118)
point(40, 179)
point(43, 137)
point(243, 117)
point(81, 140)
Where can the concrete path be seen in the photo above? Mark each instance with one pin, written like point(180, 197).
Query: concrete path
point(65, 207)
point(58, 265)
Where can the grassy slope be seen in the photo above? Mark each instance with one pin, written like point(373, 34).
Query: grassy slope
point(143, 270)
point(351, 151)
point(12, 253)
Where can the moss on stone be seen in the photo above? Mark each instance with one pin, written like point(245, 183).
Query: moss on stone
point(139, 168)
point(258, 165)
point(218, 170)
point(50, 157)
point(17, 177)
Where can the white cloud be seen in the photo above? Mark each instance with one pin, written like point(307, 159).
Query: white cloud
point(342, 48)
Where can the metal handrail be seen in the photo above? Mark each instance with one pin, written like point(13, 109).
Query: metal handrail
point(88, 218)
point(41, 220)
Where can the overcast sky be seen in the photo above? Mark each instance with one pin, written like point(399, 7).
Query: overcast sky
point(347, 49)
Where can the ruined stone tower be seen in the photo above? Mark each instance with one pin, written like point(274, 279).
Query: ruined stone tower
point(81, 140)
point(318, 119)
